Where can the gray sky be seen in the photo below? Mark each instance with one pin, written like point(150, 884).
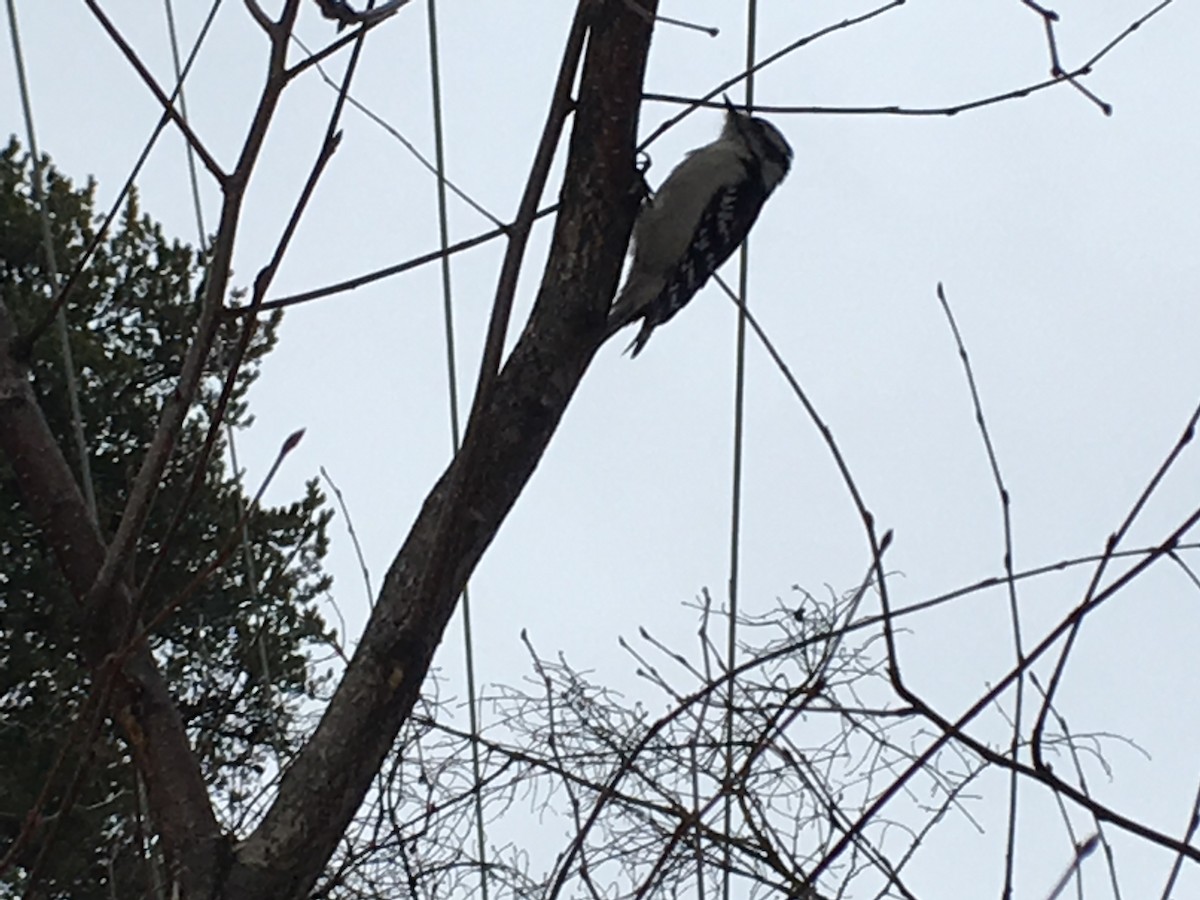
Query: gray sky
point(1066, 241)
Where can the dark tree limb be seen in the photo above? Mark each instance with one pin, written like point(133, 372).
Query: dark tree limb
point(123, 669)
point(518, 234)
point(504, 441)
point(175, 409)
point(141, 703)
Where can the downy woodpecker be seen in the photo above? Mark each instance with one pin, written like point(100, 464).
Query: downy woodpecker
point(695, 221)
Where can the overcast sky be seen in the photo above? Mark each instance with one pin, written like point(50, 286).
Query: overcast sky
point(1066, 241)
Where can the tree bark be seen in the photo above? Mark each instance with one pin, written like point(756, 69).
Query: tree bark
point(140, 700)
point(503, 443)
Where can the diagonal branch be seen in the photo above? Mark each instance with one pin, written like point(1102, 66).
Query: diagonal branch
point(503, 443)
point(23, 348)
point(175, 409)
point(168, 107)
point(141, 703)
point(358, 281)
point(518, 236)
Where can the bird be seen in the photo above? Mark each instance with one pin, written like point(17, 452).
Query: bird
point(697, 218)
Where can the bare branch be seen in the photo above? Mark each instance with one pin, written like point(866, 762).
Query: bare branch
point(256, 12)
point(315, 59)
point(518, 235)
point(168, 107)
point(142, 705)
point(502, 445)
point(416, 262)
point(341, 12)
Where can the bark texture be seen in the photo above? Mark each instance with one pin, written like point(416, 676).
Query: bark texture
point(509, 429)
point(139, 699)
point(502, 446)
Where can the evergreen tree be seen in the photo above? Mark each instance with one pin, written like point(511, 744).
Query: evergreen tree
point(238, 651)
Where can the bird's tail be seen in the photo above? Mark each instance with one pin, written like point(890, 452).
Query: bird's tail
point(634, 299)
point(643, 335)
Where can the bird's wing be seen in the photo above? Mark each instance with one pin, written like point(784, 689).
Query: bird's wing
point(722, 227)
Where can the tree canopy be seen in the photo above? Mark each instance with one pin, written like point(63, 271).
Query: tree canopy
point(238, 648)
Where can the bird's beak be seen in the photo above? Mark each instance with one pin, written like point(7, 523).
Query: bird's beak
point(729, 107)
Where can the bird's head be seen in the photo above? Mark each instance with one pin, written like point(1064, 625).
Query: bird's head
point(761, 139)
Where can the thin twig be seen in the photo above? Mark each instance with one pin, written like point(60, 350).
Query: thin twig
point(362, 563)
point(223, 554)
point(1082, 852)
point(535, 185)
point(1014, 610)
point(23, 348)
point(1089, 598)
point(325, 52)
point(360, 280)
point(724, 86)
point(918, 111)
point(404, 142)
point(262, 283)
point(70, 376)
point(168, 107)
point(1189, 833)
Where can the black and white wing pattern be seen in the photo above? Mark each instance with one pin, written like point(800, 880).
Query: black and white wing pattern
point(723, 226)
